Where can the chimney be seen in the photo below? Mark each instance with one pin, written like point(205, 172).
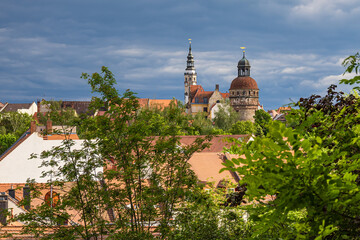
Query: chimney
point(26, 195)
point(49, 127)
point(3, 207)
point(33, 127)
point(12, 192)
point(217, 87)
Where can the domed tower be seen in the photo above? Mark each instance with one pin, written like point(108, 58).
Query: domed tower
point(190, 74)
point(244, 92)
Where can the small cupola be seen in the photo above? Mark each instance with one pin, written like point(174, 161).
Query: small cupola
point(243, 66)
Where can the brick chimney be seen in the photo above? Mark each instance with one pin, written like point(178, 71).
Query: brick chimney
point(217, 87)
point(33, 126)
point(49, 126)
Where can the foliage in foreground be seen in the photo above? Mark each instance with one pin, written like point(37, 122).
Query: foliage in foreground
point(305, 176)
point(208, 217)
point(121, 183)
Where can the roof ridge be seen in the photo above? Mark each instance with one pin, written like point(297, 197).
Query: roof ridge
point(15, 145)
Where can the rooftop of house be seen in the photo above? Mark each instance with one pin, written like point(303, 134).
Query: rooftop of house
point(202, 97)
point(14, 107)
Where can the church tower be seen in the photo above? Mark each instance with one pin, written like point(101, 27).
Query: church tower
point(190, 75)
point(244, 92)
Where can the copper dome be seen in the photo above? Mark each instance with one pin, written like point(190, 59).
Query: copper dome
point(244, 82)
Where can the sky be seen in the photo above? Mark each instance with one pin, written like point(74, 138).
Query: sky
point(295, 47)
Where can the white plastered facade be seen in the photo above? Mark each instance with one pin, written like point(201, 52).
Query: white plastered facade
point(16, 167)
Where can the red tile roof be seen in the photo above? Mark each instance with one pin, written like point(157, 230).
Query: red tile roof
point(281, 109)
point(225, 95)
point(194, 89)
point(201, 95)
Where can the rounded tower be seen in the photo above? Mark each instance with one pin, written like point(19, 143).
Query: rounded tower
point(244, 92)
point(190, 75)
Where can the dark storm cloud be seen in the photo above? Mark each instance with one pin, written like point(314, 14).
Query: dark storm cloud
point(295, 47)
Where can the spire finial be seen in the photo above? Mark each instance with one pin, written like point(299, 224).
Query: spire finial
point(243, 48)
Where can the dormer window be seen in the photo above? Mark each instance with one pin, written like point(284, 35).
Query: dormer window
point(205, 99)
point(196, 100)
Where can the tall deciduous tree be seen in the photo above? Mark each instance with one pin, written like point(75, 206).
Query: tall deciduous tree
point(305, 178)
point(226, 117)
point(262, 119)
point(144, 181)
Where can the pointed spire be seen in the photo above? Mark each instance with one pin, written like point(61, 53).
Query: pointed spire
point(190, 46)
point(190, 59)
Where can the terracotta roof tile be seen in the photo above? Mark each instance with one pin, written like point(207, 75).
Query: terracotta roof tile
point(160, 103)
point(201, 95)
point(194, 89)
point(281, 109)
point(144, 102)
point(207, 166)
point(243, 83)
point(225, 95)
point(61, 137)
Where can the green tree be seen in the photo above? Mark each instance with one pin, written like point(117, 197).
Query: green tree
point(201, 124)
point(12, 126)
point(161, 119)
point(144, 182)
point(208, 218)
point(352, 64)
point(305, 178)
point(6, 140)
point(14, 123)
point(226, 117)
point(246, 127)
point(262, 119)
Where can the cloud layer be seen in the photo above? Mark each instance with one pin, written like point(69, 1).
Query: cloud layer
point(295, 48)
